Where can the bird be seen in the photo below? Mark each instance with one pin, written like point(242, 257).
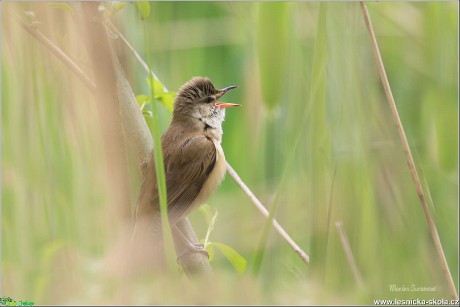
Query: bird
point(194, 160)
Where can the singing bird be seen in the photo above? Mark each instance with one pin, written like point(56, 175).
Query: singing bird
point(193, 157)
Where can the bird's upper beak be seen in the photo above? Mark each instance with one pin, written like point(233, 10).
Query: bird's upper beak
point(222, 93)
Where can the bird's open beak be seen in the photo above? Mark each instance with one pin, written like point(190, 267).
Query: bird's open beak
point(221, 93)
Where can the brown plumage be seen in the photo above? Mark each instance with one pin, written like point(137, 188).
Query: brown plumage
point(193, 157)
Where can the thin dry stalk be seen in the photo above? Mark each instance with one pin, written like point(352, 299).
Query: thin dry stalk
point(349, 254)
point(265, 212)
point(58, 53)
point(407, 152)
point(133, 51)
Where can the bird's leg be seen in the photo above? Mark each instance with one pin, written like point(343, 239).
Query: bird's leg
point(192, 247)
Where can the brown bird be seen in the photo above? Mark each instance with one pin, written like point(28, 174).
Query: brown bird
point(193, 157)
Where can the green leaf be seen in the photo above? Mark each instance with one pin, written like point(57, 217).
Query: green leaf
point(142, 101)
point(210, 249)
point(167, 99)
point(161, 95)
point(147, 114)
point(158, 87)
point(144, 9)
point(238, 262)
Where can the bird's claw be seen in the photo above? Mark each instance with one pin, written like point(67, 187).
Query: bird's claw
point(193, 248)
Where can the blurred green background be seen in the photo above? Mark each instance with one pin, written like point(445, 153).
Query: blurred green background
point(314, 137)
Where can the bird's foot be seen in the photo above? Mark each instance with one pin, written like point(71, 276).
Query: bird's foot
point(192, 248)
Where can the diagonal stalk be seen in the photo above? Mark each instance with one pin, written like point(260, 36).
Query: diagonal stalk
point(265, 212)
point(37, 34)
point(407, 153)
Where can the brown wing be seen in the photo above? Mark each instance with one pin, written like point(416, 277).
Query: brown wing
point(187, 170)
point(187, 165)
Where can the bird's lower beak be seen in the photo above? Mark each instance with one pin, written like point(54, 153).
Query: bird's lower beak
point(224, 105)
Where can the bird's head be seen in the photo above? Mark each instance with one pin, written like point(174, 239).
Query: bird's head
point(199, 99)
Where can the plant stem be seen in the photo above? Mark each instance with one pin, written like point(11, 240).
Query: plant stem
point(407, 152)
point(135, 53)
point(158, 158)
point(265, 212)
point(59, 54)
point(349, 254)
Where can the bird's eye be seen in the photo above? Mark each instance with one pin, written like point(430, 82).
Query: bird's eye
point(208, 99)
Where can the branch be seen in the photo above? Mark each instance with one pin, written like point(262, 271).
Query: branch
point(407, 152)
point(192, 262)
point(135, 128)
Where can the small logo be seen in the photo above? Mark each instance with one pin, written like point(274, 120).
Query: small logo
point(8, 301)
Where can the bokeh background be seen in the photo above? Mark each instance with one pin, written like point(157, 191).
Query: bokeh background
point(315, 138)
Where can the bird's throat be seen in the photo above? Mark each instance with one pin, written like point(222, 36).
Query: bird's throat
point(212, 128)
